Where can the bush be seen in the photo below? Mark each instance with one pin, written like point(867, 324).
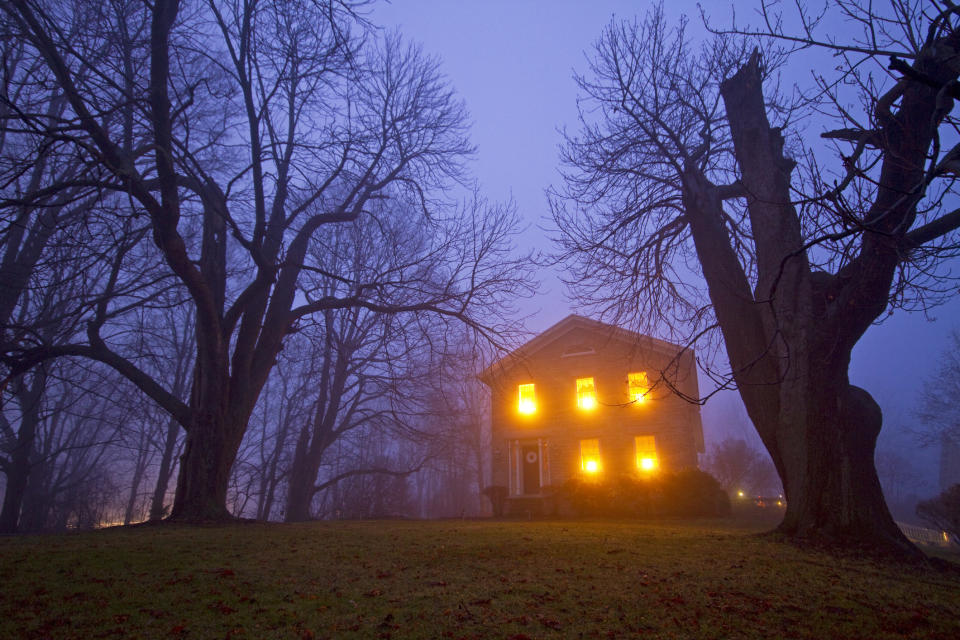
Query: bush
point(687, 493)
point(594, 498)
point(692, 492)
point(943, 512)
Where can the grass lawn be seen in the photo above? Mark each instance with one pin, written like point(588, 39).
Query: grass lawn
point(459, 579)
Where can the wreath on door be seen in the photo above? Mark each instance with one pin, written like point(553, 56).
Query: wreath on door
point(531, 457)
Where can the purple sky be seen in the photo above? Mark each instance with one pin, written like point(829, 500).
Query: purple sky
point(512, 62)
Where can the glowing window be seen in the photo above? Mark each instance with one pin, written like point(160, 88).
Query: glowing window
point(527, 402)
point(646, 453)
point(590, 456)
point(586, 393)
point(638, 385)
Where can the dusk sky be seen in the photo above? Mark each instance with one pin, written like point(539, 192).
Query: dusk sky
point(512, 62)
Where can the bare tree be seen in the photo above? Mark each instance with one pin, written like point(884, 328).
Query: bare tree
point(898, 475)
point(678, 170)
point(173, 356)
point(251, 128)
point(939, 406)
point(376, 490)
point(73, 478)
point(739, 467)
point(938, 411)
point(284, 407)
point(38, 270)
point(165, 336)
point(452, 482)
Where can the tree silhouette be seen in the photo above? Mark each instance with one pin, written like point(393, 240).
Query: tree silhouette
point(236, 134)
point(685, 163)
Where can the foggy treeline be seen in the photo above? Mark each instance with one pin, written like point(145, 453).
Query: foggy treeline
point(243, 268)
point(360, 411)
point(364, 415)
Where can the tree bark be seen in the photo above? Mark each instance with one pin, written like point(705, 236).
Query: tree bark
point(832, 489)
point(213, 438)
point(209, 452)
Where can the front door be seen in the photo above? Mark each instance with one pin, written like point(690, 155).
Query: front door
point(530, 461)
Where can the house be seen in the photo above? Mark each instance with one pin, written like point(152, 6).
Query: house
point(586, 399)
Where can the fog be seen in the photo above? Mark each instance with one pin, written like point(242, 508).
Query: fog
point(516, 76)
point(370, 403)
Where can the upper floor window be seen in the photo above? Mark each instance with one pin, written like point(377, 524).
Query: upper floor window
point(586, 393)
point(646, 453)
point(527, 401)
point(638, 386)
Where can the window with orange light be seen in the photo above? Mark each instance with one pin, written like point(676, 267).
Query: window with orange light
point(527, 401)
point(646, 453)
point(638, 385)
point(586, 393)
point(590, 456)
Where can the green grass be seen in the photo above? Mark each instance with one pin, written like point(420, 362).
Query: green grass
point(459, 579)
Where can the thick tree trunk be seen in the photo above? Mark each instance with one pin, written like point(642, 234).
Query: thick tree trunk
point(38, 497)
point(209, 452)
point(830, 480)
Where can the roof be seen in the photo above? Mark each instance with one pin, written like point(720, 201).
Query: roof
point(571, 322)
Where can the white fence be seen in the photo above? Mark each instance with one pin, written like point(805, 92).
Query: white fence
point(922, 535)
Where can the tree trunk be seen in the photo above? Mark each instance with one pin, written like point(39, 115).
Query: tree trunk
point(268, 495)
point(318, 434)
point(830, 481)
point(270, 478)
point(38, 497)
point(209, 452)
point(17, 475)
point(139, 470)
point(303, 477)
point(299, 498)
point(163, 476)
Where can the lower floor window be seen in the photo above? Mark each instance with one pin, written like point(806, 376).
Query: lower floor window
point(646, 453)
point(590, 456)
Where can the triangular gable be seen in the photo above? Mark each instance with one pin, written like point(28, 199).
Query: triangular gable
point(603, 331)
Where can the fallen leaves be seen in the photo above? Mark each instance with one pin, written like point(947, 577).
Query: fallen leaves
point(221, 607)
point(370, 580)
